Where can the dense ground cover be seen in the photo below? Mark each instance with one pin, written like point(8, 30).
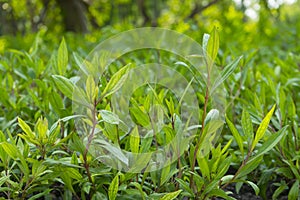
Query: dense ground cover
point(44, 155)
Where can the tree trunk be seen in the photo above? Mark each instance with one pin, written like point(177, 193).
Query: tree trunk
point(143, 9)
point(74, 16)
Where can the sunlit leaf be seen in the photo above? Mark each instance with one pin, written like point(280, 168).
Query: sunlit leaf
point(113, 188)
point(62, 58)
point(116, 81)
point(134, 140)
point(262, 128)
point(171, 196)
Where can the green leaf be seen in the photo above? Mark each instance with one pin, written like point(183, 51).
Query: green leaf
point(254, 186)
point(220, 193)
point(134, 140)
point(170, 105)
point(53, 134)
point(250, 166)
point(80, 62)
point(185, 186)
point(279, 190)
point(64, 85)
point(171, 196)
point(247, 125)
point(138, 114)
point(294, 191)
point(226, 72)
point(115, 151)
point(140, 162)
point(56, 102)
point(139, 187)
point(73, 173)
point(2, 137)
point(164, 174)
point(68, 182)
point(42, 128)
point(11, 150)
point(15, 154)
point(113, 188)
point(27, 130)
point(109, 117)
point(203, 165)
point(62, 58)
point(213, 44)
point(90, 88)
point(262, 128)
point(271, 142)
point(98, 196)
point(3, 179)
point(116, 81)
point(42, 194)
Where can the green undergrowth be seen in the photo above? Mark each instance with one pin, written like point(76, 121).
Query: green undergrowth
point(44, 156)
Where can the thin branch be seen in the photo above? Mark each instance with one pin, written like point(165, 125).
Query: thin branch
point(199, 9)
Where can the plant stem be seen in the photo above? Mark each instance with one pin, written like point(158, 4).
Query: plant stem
point(202, 129)
point(239, 170)
point(90, 138)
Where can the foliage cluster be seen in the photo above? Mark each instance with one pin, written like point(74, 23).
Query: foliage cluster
point(43, 156)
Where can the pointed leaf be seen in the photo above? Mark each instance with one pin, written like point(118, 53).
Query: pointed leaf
point(262, 128)
point(62, 58)
point(116, 81)
point(226, 72)
point(164, 174)
point(11, 150)
point(64, 85)
point(213, 44)
point(250, 166)
point(294, 191)
point(171, 196)
point(271, 142)
point(247, 125)
point(113, 188)
point(90, 87)
point(109, 117)
point(134, 140)
point(27, 130)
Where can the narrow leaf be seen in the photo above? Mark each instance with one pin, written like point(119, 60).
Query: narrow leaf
point(171, 196)
point(226, 72)
point(271, 142)
point(164, 174)
point(213, 44)
point(90, 88)
point(116, 81)
point(113, 188)
point(250, 166)
point(262, 128)
point(64, 85)
point(247, 125)
point(27, 130)
point(62, 57)
point(294, 191)
point(238, 138)
point(11, 150)
point(134, 140)
point(109, 117)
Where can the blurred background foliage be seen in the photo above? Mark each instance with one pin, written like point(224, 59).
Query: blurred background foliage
point(265, 32)
point(243, 23)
